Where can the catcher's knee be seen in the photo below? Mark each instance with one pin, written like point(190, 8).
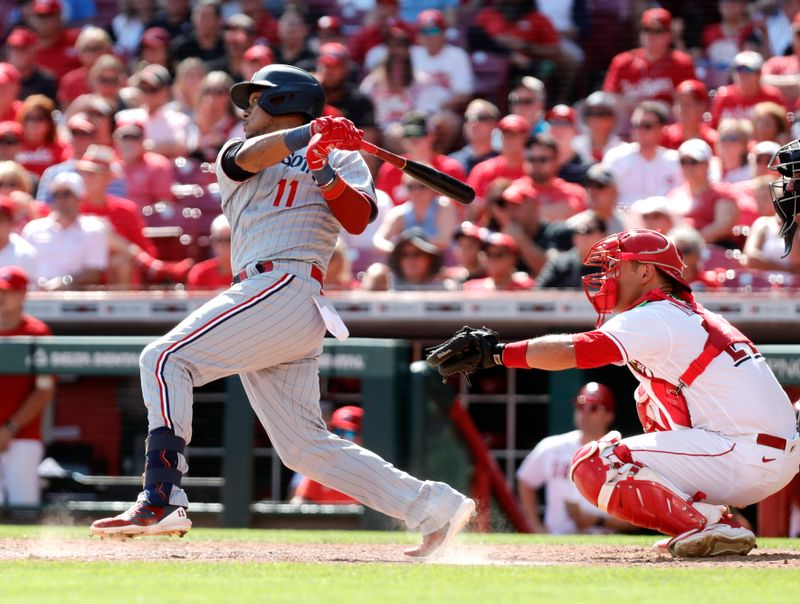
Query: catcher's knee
point(605, 473)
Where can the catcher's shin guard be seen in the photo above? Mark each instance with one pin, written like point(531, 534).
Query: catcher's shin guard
point(605, 474)
point(161, 465)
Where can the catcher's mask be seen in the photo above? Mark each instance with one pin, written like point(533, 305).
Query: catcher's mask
point(642, 245)
point(786, 191)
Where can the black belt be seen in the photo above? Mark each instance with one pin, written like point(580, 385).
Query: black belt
point(266, 266)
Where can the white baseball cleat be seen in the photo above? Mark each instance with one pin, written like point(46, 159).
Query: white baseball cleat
point(436, 543)
point(719, 539)
point(143, 519)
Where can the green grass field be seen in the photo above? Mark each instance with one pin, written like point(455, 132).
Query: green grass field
point(35, 579)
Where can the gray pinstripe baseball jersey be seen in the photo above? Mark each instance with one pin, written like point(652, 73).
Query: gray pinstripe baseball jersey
point(269, 329)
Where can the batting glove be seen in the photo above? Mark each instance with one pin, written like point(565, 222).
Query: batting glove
point(338, 131)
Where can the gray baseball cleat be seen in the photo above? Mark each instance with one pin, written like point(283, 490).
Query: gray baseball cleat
point(436, 543)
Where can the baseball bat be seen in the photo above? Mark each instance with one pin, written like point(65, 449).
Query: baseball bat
point(430, 177)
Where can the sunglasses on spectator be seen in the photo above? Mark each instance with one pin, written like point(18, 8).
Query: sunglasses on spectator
point(730, 138)
point(515, 100)
point(130, 136)
point(9, 184)
point(109, 80)
point(688, 161)
point(589, 408)
point(744, 69)
point(497, 255)
point(36, 118)
point(57, 194)
point(93, 48)
point(149, 89)
point(345, 434)
point(593, 184)
point(76, 133)
point(412, 254)
point(654, 30)
point(541, 159)
point(221, 239)
point(646, 125)
point(598, 113)
point(215, 91)
point(481, 117)
point(6, 140)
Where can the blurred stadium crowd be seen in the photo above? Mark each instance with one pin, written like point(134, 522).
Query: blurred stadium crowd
point(572, 119)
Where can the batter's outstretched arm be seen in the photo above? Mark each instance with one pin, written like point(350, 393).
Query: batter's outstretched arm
point(262, 151)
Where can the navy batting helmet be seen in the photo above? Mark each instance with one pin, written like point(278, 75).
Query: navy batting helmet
point(285, 89)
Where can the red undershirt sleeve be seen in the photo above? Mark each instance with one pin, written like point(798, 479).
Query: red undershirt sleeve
point(595, 349)
point(352, 208)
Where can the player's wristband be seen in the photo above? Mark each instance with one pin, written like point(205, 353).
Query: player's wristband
point(514, 355)
point(324, 176)
point(297, 138)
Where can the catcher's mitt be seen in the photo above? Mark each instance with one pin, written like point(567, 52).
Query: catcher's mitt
point(469, 349)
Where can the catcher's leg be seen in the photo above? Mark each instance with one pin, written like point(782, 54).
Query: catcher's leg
point(606, 474)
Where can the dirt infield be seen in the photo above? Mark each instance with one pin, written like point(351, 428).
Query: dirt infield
point(178, 550)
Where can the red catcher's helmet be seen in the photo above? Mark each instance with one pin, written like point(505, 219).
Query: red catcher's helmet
point(593, 393)
point(642, 245)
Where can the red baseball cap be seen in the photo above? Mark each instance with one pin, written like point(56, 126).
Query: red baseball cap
point(258, 53)
point(156, 37)
point(333, 53)
point(562, 112)
point(431, 19)
point(471, 230)
point(694, 88)
point(20, 37)
point(347, 418)
point(329, 23)
point(501, 240)
point(9, 74)
point(520, 191)
point(47, 7)
point(514, 123)
point(13, 278)
point(657, 18)
point(596, 394)
point(11, 127)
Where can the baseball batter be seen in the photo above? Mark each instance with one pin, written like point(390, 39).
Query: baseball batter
point(286, 190)
point(719, 429)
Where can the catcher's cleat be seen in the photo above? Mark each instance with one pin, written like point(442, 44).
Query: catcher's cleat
point(144, 519)
point(436, 543)
point(724, 538)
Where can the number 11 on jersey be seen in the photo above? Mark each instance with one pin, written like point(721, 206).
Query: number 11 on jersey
point(282, 189)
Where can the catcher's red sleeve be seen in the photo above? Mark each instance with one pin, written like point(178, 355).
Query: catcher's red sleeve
point(594, 349)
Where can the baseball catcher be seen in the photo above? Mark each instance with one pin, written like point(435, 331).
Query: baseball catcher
point(784, 191)
point(718, 428)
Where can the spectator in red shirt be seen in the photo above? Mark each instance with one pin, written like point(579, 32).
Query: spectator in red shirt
point(738, 99)
point(56, 44)
point(691, 105)
point(214, 273)
point(417, 145)
point(783, 72)
point(148, 175)
point(558, 199)
point(40, 145)
point(502, 256)
point(345, 423)
point(91, 44)
point(98, 167)
point(653, 70)
point(24, 399)
point(10, 80)
point(516, 29)
point(509, 164)
point(375, 29)
point(722, 40)
point(21, 53)
point(709, 207)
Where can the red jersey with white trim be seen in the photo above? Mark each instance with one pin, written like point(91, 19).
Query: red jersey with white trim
point(672, 136)
point(737, 394)
point(638, 79)
point(17, 388)
point(730, 102)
